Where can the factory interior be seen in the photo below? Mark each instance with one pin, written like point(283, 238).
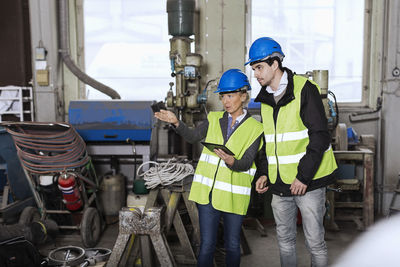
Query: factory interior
point(89, 176)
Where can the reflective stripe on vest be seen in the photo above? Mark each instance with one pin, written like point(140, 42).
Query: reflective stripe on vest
point(212, 159)
point(287, 136)
point(287, 141)
point(290, 159)
point(230, 190)
point(235, 189)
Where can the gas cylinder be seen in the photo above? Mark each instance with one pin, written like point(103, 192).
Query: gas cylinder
point(112, 194)
point(70, 191)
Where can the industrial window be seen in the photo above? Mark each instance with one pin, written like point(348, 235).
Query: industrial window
point(316, 34)
point(127, 47)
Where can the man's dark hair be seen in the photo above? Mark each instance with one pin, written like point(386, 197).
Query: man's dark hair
point(269, 61)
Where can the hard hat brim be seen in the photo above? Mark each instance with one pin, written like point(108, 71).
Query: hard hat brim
point(233, 90)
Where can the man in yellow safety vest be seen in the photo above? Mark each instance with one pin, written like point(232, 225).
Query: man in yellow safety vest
point(297, 144)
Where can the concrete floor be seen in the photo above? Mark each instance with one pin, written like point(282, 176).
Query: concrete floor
point(264, 250)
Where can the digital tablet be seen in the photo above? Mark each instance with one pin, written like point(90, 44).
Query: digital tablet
point(212, 146)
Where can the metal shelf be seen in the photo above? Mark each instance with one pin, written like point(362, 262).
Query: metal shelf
point(23, 110)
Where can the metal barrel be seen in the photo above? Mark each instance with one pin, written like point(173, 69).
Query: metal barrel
point(180, 17)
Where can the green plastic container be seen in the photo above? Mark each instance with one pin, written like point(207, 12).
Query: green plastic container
point(139, 187)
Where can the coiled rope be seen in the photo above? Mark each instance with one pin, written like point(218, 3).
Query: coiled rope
point(45, 148)
point(164, 173)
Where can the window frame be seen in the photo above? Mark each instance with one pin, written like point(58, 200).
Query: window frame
point(373, 20)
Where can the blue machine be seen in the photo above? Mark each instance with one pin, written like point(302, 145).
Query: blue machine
point(254, 105)
point(112, 120)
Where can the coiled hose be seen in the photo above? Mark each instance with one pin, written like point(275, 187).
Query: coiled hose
point(45, 148)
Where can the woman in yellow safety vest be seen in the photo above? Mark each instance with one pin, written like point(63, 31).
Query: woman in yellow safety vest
point(222, 182)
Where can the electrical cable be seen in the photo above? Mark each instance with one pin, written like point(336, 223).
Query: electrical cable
point(205, 92)
point(205, 88)
point(336, 107)
point(129, 141)
point(164, 173)
point(205, 108)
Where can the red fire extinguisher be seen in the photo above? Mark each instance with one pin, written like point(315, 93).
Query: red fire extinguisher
point(69, 188)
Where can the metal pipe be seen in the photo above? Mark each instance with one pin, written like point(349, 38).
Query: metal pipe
point(65, 55)
point(380, 149)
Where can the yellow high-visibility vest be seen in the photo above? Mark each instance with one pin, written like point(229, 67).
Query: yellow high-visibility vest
point(287, 140)
point(230, 189)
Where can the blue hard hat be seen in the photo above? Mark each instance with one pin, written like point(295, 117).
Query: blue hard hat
point(232, 80)
point(262, 48)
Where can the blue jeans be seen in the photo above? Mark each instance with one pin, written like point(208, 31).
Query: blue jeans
point(209, 221)
point(312, 208)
